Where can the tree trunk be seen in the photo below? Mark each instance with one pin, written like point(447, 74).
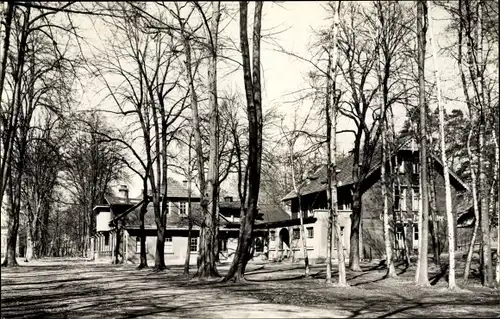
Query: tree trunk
point(6, 151)
point(254, 111)
point(422, 275)
point(207, 264)
point(448, 203)
point(329, 190)
point(433, 210)
point(355, 223)
point(496, 201)
point(391, 271)
point(338, 232)
point(142, 233)
point(304, 243)
point(475, 206)
point(190, 221)
point(485, 218)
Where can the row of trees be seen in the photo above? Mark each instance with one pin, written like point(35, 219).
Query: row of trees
point(159, 65)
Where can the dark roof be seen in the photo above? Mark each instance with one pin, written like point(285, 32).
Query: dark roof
point(272, 213)
point(174, 190)
point(317, 182)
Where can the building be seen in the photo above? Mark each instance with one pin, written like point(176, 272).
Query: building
point(118, 227)
point(284, 235)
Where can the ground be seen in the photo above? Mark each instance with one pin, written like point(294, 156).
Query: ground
point(69, 288)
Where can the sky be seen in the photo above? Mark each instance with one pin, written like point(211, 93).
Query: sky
point(291, 24)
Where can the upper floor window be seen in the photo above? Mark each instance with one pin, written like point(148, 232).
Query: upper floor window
point(296, 233)
point(415, 203)
point(310, 232)
point(402, 167)
point(194, 244)
point(183, 208)
point(272, 235)
point(169, 245)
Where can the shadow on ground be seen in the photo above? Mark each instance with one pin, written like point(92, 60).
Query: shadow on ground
point(81, 289)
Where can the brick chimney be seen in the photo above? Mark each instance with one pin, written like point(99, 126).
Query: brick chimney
point(123, 190)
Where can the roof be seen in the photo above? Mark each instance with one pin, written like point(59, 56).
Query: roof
point(317, 182)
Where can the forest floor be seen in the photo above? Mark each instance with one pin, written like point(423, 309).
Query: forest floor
point(74, 288)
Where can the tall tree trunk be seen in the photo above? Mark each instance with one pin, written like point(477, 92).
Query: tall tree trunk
point(475, 206)
point(355, 223)
point(496, 200)
point(382, 94)
point(254, 111)
point(190, 221)
point(422, 275)
point(142, 232)
point(330, 172)
point(485, 218)
point(5, 50)
point(433, 210)
point(448, 203)
point(301, 211)
point(206, 259)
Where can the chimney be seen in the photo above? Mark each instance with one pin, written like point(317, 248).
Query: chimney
point(123, 191)
point(228, 199)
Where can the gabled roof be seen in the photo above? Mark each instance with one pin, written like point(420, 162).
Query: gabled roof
point(317, 182)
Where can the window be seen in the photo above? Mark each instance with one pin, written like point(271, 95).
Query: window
point(402, 200)
point(402, 167)
point(259, 245)
point(310, 232)
point(415, 232)
point(106, 239)
point(397, 202)
point(138, 245)
point(194, 245)
point(399, 236)
point(415, 199)
point(414, 168)
point(169, 246)
point(272, 235)
point(296, 233)
point(182, 208)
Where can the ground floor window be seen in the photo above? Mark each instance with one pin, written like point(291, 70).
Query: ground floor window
point(259, 245)
point(193, 245)
point(169, 246)
point(106, 239)
point(272, 235)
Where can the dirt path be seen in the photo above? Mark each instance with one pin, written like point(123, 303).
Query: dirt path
point(75, 288)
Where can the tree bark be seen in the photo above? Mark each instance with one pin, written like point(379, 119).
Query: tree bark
point(190, 221)
point(422, 275)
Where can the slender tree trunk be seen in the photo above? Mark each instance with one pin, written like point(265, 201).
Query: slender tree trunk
point(391, 271)
point(496, 201)
point(338, 232)
point(206, 263)
point(422, 275)
point(433, 210)
point(448, 203)
point(485, 218)
point(5, 50)
point(329, 191)
point(475, 206)
point(142, 232)
point(254, 110)
point(355, 223)
point(190, 221)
